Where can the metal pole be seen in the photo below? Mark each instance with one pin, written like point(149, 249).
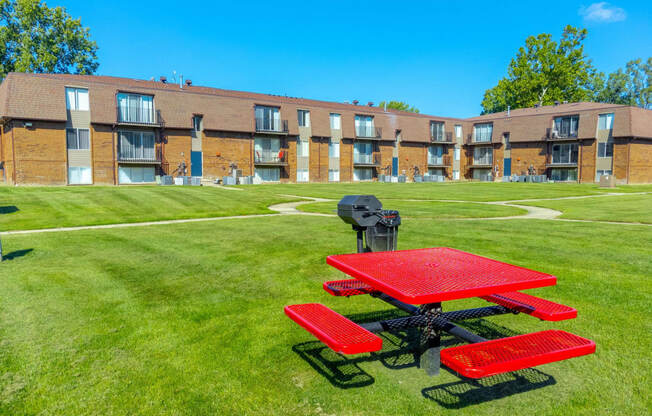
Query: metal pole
point(430, 360)
point(360, 242)
point(0, 249)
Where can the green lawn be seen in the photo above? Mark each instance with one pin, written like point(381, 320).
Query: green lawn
point(430, 209)
point(187, 319)
point(629, 208)
point(465, 191)
point(47, 207)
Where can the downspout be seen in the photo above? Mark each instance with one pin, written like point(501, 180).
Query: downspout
point(13, 154)
point(113, 154)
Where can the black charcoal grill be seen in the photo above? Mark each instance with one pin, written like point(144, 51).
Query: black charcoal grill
point(366, 216)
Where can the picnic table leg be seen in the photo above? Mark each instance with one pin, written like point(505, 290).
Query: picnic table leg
point(429, 359)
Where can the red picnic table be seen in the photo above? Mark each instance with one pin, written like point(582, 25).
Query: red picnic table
point(427, 277)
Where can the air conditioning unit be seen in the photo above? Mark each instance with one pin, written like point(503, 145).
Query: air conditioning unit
point(555, 134)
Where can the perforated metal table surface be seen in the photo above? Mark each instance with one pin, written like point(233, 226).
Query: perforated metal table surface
point(437, 274)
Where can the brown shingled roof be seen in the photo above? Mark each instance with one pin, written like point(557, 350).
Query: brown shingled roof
point(547, 109)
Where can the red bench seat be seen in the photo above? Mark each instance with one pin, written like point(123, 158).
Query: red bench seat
point(339, 333)
point(515, 353)
point(348, 287)
point(532, 305)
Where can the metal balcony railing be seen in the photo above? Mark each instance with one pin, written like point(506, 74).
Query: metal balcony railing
point(369, 132)
point(441, 136)
point(552, 134)
point(366, 160)
point(439, 161)
point(144, 155)
point(141, 116)
point(270, 158)
point(271, 126)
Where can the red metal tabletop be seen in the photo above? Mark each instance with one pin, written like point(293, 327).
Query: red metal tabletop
point(432, 275)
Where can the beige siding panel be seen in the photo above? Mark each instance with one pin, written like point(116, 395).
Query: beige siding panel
point(79, 158)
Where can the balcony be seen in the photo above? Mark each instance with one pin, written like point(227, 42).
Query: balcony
point(140, 156)
point(368, 132)
point(472, 139)
point(444, 137)
point(367, 160)
point(482, 163)
point(439, 162)
point(264, 125)
point(552, 134)
point(279, 158)
point(138, 116)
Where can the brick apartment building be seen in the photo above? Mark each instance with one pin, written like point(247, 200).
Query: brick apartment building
point(74, 129)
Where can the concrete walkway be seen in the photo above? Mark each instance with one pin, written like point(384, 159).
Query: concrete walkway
point(290, 208)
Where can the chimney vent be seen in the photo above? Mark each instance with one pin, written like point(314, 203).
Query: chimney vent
point(355, 102)
point(370, 104)
point(163, 79)
point(556, 102)
point(536, 105)
point(565, 102)
point(188, 82)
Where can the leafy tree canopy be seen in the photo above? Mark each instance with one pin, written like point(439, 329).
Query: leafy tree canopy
point(629, 86)
point(399, 105)
point(36, 38)
point(544, 71)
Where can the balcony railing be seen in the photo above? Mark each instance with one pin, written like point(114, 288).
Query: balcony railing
point(439, 161)
point(139, 116)
point(143, 155)
point(271, 126)
point(369, 132)
point(552, 134)
point(483, 161)
point(366, 160)
point(442, 137)
point(271, 158)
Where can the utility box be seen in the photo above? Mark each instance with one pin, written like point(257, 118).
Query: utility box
point(607, 181)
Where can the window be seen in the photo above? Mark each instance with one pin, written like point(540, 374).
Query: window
point(482, 132)
point(456, 175)
point(78, 139)
point(77, 99)
point(605, 121)
point(566, 126)
point(197, 123)
point(482, 175)
point(563, 175)
point(267, 150)
point(482, 156)
point(457, 154)
point(333, 149)
point(79, 176)
point(304, 118)
point(599, 173)
point(135, 108)
point(436, 155)
point(336, 121)
point(333, 175)
point(302, 175)
point(268, 174)
point(135, 174)
point(136, 145)
point(363, 153)
point(303, 148)
point(437, 131)
point(506, 140)
point(363, 174)
point(458, 131)
point(438, 173)
point(364, 126)
point(564, 153)
point(268, 118)
point(606, 149)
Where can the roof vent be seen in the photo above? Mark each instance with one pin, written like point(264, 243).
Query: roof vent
point(537, 105)
point(188, 82)
point(370, 104)
point(565, 102)
point(163, 79)
point(355, 102)
point(556, 102)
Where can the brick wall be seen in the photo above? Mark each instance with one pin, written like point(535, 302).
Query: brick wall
point(41, 153)
point(587, 155)
point(620, 160)
point(177, 145)
point(346, 160)
point(525, 154)
point(220, 149)
point(411, 155)
point(6, 153)
point(103, 153)
point(640, 169)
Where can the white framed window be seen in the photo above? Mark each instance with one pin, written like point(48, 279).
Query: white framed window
point(336, 121)
point(456, 175)
point(482, 155)
point(333, 175)
point(458, 131)
point(482, 132)
point(136, 145)
point(268, 174)
point(457, 153)
point(437, 131)
point(599, 173)
point(304, 118)
point(563, 175)
point(606, 149)
point(135, 174)
point(80, 176)
point(483, 175)
point(197, 122)
point(364, 126)
point(303, 175)
point(564, 153)
point(436, 155)
point(78, 139)
point(605, 121)
point(303, 148)
point(267, 150)
point(267, 118)
point(363, 152)
point(363, 174)
point(76, 99)
point(566, 126)
point(333, 149)
point(437, 173)
point(135, 108)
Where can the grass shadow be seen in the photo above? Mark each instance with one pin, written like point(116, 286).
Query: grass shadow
point(15, 254)
point(9, 209)
point(401, 350)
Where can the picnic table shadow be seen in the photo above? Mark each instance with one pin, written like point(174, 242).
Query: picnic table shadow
point(401, 351)
point(17, 253)
point(9, 209)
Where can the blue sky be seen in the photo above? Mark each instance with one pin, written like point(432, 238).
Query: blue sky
point(438, 56)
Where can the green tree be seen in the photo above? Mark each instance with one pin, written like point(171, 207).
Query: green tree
point(544, 71)
point(36, 38)
point(631, 86)
point(399, 105)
